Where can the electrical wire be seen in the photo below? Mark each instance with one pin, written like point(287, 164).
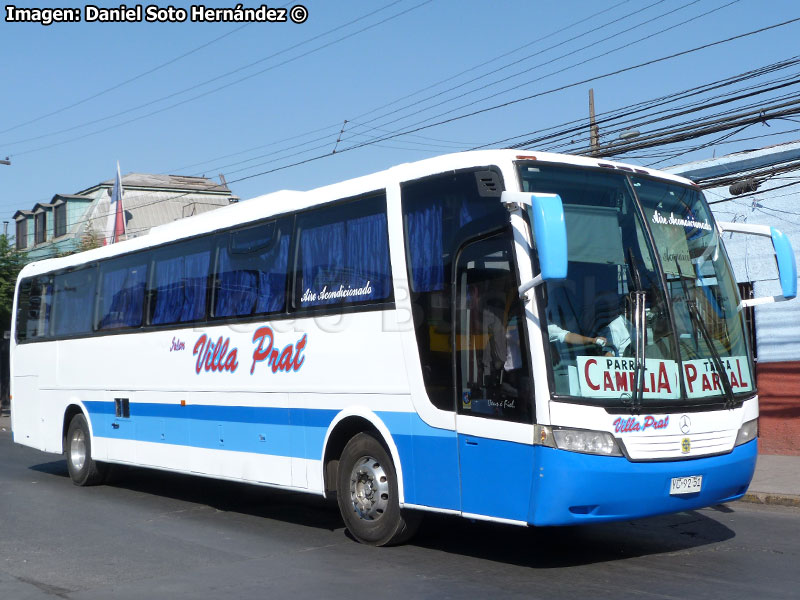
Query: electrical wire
point(127, 81)
point(225, 86)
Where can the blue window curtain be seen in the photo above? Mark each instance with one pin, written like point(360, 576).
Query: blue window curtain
point(345, 261)
point(428, 236)
point(425, 246)
point(73, 302)
point(180, 288)
point(122, 296)
point(251, 272)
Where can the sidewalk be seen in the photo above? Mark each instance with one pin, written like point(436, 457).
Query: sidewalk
point(776, 480)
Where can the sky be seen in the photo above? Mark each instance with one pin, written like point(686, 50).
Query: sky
point(249, 100)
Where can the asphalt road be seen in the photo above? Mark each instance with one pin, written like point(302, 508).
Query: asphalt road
point(157, 535)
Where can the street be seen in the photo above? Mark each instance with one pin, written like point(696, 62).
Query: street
point(158, 535)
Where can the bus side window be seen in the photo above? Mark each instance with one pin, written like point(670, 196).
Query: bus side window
point(121, 301)
point(343, 255)
point(73, 301)
point(33, 308)
point(251, 270)
point(179, 283)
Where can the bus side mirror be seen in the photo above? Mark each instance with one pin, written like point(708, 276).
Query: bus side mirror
point(546, 214)
point(787, 265)
point(784, 256)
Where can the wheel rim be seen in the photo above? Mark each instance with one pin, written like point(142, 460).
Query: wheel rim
point(77, 449)
point(369, 488)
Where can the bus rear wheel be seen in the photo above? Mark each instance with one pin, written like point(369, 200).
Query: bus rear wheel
point(368, 497)
point(83, 469)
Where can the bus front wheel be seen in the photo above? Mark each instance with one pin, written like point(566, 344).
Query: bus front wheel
point(367, 494)
point(83, 469)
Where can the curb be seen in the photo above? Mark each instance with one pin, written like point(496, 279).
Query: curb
point(771, 499)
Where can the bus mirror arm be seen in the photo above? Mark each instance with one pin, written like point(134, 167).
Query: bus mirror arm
point(784, 256)
point(546, 214)
point(529, 285)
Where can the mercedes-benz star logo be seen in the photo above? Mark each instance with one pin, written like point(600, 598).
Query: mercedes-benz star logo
point(685, 423)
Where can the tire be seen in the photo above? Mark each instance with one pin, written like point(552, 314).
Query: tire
point(83, 469)
point(367, 494)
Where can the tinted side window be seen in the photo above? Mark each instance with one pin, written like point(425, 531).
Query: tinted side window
point(343, 254)
point(73, 303)
point(33, 308)
point(122, 283)
point(251, 270)
point(439, 214)
point(179, 283)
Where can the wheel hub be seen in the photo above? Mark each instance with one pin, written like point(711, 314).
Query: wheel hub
point(369, 488)
point(77, 449)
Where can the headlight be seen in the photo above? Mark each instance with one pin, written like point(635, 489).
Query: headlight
point(588, 442)
point(747, 432)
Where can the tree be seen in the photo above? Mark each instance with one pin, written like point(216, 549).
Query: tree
point(10, 264)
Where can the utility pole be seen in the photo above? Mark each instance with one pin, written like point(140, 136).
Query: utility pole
point(5, 162)
point(594, 130)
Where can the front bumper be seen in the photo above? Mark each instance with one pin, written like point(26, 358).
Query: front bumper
point(571, 488)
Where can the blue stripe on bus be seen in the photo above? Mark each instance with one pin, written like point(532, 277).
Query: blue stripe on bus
point(568, 488)
point(296, 432)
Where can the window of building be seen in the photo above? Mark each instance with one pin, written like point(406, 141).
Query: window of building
point(40, 227)
point(179, 285)
point(122, 283)
point(60, 220)
point(251, 270)
point(73, 302)
point(22, 234)
point(343, 255)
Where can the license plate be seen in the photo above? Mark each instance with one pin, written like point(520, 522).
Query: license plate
point(685, 485)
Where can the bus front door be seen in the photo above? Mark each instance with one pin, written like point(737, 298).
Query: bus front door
point(493, 383)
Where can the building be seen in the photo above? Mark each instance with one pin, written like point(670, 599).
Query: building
point(69, 221)
point(768, 194)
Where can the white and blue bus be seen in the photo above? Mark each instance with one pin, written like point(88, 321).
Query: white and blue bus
point(530, 339)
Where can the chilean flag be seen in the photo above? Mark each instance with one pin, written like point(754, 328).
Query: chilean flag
point(115, 225)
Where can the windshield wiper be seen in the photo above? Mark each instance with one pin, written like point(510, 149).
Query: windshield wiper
point(697, 319)
point(640, 327)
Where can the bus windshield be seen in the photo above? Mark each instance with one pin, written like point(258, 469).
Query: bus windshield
point(648, 313)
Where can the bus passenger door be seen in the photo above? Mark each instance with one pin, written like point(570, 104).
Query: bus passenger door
point(491, 367)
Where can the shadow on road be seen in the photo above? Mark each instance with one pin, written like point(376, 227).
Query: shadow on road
point(558, 547)
point(539, 548)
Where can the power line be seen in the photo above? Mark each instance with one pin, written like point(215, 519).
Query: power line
point(498, 57)
point(381, 138)
point(518, 100)
point(545, 63)
point(666, 115)
point(634, 110)
point(357, 125)
point(538, 94)
point(506, 66)
point(217, 89)
point(127, 81)
point(502, 105)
